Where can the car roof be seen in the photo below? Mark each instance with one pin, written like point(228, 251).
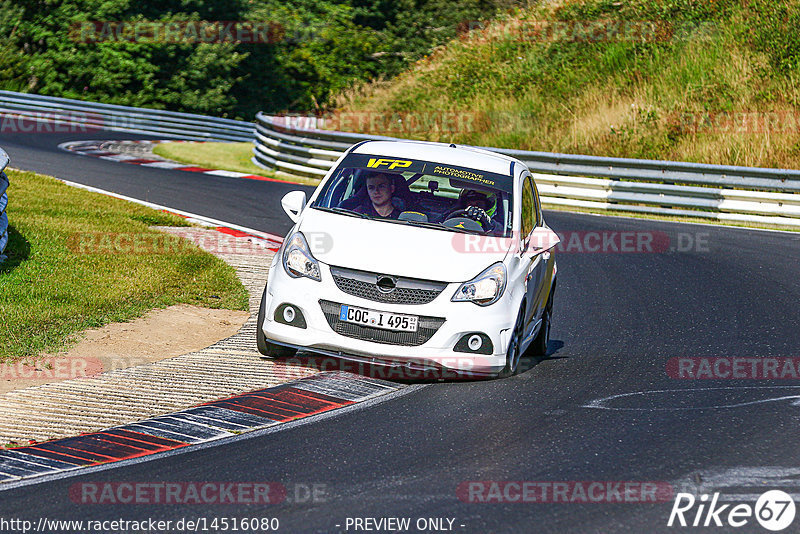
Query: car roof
point(464, 156)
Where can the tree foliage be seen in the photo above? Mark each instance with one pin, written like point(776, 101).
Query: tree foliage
point(319, 48)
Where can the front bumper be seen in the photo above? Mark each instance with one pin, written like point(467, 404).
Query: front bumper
point(460, 319)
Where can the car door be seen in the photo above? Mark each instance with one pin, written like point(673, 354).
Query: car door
point(537, 256)
point(546, 264)
point(529, 259)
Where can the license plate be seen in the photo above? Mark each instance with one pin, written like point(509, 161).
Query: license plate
point(378, 319)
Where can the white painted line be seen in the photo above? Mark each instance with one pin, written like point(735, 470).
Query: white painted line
point(741, 480)
point(191, 216)
point(602, 404)
point(165, 165)
point(119, 157)
point(227, 174)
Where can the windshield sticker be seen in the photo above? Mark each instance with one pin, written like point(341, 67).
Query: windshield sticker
point(374, 163)
point(462, 175)
point(433, 169)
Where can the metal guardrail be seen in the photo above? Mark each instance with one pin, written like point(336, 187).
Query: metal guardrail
point(37, 113)
point(3, 203)
point(294, 146)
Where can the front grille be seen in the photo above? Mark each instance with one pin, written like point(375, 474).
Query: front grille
point(426, 327)
point(364, 284)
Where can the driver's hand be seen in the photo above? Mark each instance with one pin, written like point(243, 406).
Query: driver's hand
point(477, 214)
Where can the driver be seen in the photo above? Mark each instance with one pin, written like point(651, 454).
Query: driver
point(380, 188)
point(480, 206)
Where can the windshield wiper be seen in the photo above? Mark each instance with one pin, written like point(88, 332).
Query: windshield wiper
point(438, 226)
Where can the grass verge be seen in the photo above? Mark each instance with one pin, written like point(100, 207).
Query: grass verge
point(79, 260)
point(225, 156)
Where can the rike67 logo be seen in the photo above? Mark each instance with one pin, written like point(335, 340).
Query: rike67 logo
point(774, 510)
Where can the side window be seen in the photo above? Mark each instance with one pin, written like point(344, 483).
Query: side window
point(538, 205)
point(528, 208)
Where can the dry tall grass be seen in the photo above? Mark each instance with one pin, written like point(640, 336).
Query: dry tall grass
point(706, 94)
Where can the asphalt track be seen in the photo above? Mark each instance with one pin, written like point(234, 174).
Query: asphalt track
point(619, 319)
point(251, 203)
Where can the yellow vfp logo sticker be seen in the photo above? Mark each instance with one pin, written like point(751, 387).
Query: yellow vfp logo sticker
point(375, 163)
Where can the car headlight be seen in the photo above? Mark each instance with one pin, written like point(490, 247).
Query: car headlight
point(484, 289)
point(297, 258)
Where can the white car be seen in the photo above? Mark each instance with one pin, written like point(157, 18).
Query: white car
point(415, 255)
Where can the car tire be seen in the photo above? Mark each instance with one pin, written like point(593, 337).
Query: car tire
point(539, 344)
point(268, 349)
point(513, 353)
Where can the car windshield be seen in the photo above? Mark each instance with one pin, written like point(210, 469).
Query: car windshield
point(429, 194)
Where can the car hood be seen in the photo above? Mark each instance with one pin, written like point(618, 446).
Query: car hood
point(399, 249)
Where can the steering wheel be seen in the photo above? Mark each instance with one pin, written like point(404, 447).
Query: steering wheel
point(462, 212)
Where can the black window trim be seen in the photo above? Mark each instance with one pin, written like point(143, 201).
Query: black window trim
point(537, 203)
point(526, 176)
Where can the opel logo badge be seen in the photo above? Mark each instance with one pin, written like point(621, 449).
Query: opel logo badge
point(386, 284)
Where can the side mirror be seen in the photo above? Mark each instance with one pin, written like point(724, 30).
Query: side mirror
point(293, 203)
point(540, 240)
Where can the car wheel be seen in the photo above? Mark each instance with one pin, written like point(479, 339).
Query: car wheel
point(539, 344)
point(514, 353)
point(268, 349)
